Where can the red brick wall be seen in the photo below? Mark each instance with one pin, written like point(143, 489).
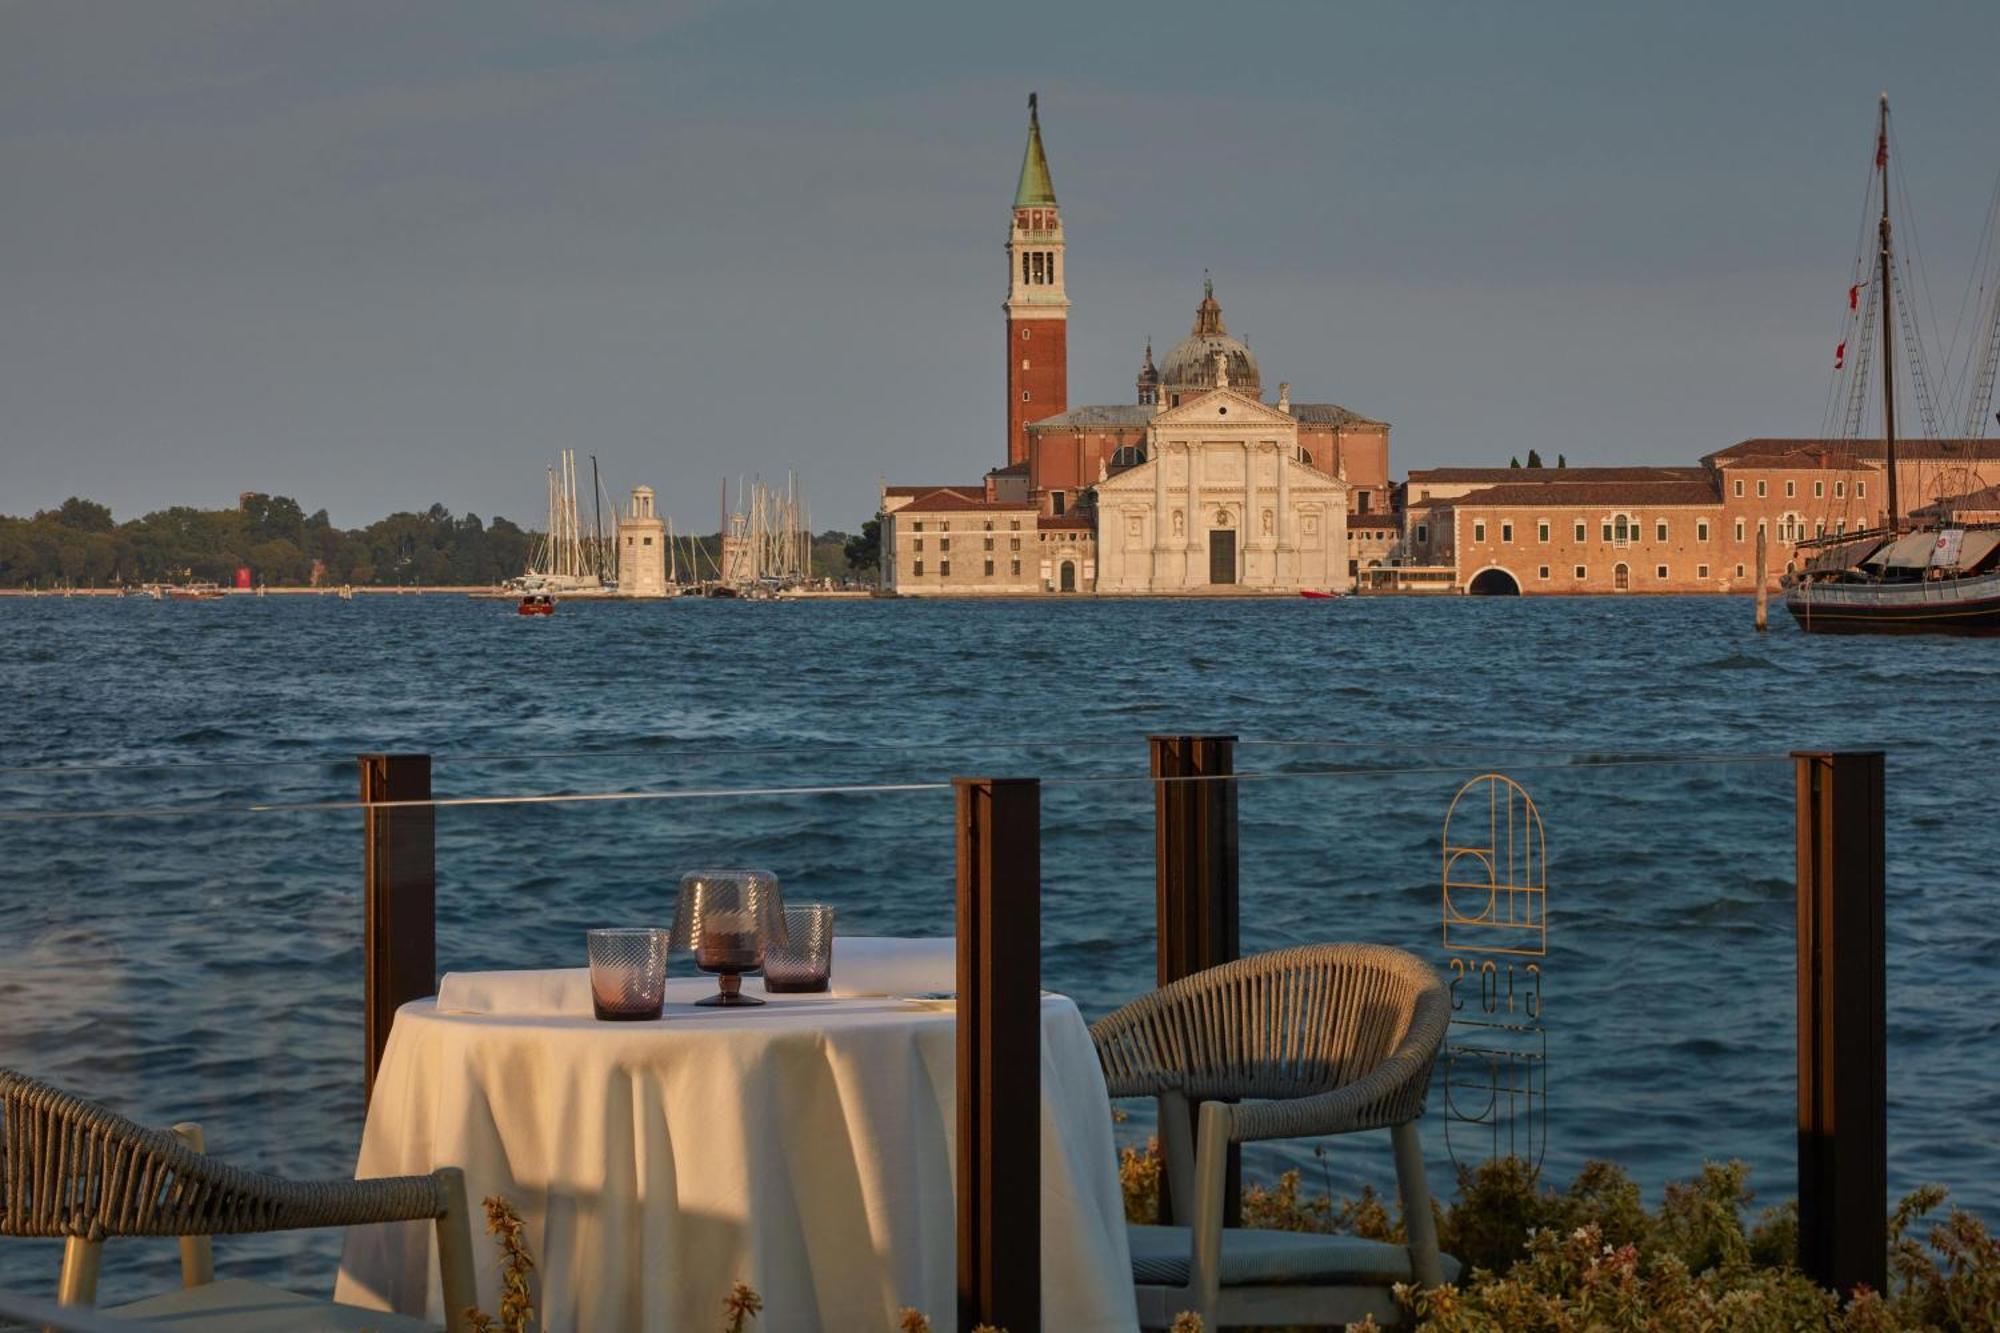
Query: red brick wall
point(1045, 380)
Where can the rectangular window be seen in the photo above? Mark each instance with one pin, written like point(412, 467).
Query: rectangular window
point(1839, 526)
point(989, 528)
point(1819, 490)
point(989, 543)
point(1791, 489)
point(1659, 571)
point(1701, 571)
point(944, 543)
point(1056, 501)
point(1839, 488)
point(1423, 533)
point(1660, 530)
point(1013, 525)
point(1581, 572)
point(1701, 530)
point(989, 569)
point(1739, 529)
point(1760, 490)
point(1739, 571)
point(1506, 532)
point(1542, 533)
point(1542, 573)
point(1607, 532)
point(920, 569)
point(944, 569)
point(1365, 498)
point(917, 527)
point(1479, 531)
point(1860, 490)
point(1014, 565)
point(649, 541)
point(1763, 526)
point(1013, 543)
point(1024, 268)
point(1582, 532)
point(1739, 488)
point(919, 545)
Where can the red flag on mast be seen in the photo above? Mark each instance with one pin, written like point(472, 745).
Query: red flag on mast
point(1840, 355)
point(1854, 296)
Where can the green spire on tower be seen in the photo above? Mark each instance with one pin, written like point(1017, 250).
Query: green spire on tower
point(1035, 189)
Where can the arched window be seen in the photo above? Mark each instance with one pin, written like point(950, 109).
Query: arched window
point(1621, 577)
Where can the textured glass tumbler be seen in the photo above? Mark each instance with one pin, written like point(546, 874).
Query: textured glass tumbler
point(628, 972)
point(804, 962)
point(726, 919)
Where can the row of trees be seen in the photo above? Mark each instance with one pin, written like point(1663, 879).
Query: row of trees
point(79, 545)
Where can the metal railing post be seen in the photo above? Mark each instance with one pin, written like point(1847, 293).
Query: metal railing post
point(400, 900)
point(1195, 875)
point(1843, 1025)
point(999, 828)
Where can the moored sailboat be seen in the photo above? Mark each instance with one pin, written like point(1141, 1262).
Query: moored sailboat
point(1926, 575)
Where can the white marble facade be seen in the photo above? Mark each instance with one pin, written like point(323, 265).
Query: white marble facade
point(1221, 500)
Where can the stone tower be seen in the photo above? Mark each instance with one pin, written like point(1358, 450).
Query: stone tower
point(642, 548)
point(1037, 307)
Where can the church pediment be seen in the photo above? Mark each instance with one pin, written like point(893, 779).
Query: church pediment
point(1223, 405)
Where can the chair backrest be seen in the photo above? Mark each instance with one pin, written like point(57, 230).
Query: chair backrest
point(1289, 1023)
point(69, 1167)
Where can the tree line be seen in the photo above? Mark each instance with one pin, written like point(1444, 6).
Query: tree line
point(79, 544)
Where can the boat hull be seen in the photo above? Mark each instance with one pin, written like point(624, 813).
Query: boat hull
point(1945, 606)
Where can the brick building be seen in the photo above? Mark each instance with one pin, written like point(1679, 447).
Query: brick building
point(1691, 529)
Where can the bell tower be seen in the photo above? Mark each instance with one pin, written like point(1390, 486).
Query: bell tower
point(1037, 306)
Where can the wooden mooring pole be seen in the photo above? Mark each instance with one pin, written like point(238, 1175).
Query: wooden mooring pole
point(1843, 1020)
point(999, 1053)
point(400, 897)
point(1195, 873)
point(1763, 582)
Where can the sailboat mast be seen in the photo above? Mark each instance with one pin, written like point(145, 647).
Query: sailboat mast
point(597, 520)
point(1888, 346)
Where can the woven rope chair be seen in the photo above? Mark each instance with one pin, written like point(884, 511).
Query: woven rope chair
point(1322, 1039)
point(72, 1169)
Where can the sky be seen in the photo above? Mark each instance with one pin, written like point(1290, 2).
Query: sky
point(375, 255)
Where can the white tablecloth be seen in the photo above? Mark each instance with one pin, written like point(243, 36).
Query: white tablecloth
point(804, 1147)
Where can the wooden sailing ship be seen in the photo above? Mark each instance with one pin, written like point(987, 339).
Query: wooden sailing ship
point(1929, 573)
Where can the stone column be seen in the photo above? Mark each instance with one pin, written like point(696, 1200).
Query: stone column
point(1197, 547)
point(1162, 519)
point(1285, 565)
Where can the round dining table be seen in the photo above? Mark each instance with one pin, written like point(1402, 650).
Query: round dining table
point(804, 1147)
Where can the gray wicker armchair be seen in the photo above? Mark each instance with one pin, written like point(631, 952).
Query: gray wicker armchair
point(72, 1169)
point(1322, 1039)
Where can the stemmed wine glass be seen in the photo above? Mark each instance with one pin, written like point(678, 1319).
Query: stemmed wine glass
point(726, 918)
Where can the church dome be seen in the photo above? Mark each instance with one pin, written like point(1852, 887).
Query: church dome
point(1190, 366)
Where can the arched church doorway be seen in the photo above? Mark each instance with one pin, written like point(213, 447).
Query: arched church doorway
point(1068, 576)
point(1493, 583)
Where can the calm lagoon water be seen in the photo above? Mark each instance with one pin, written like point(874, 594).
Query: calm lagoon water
point(189, 955)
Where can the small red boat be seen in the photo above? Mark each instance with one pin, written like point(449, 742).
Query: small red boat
point(1319, 594)
point(537, 604)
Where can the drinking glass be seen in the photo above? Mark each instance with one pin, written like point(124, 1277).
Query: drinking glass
point(727, 918)
point(804, 961)
point(628, 972)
